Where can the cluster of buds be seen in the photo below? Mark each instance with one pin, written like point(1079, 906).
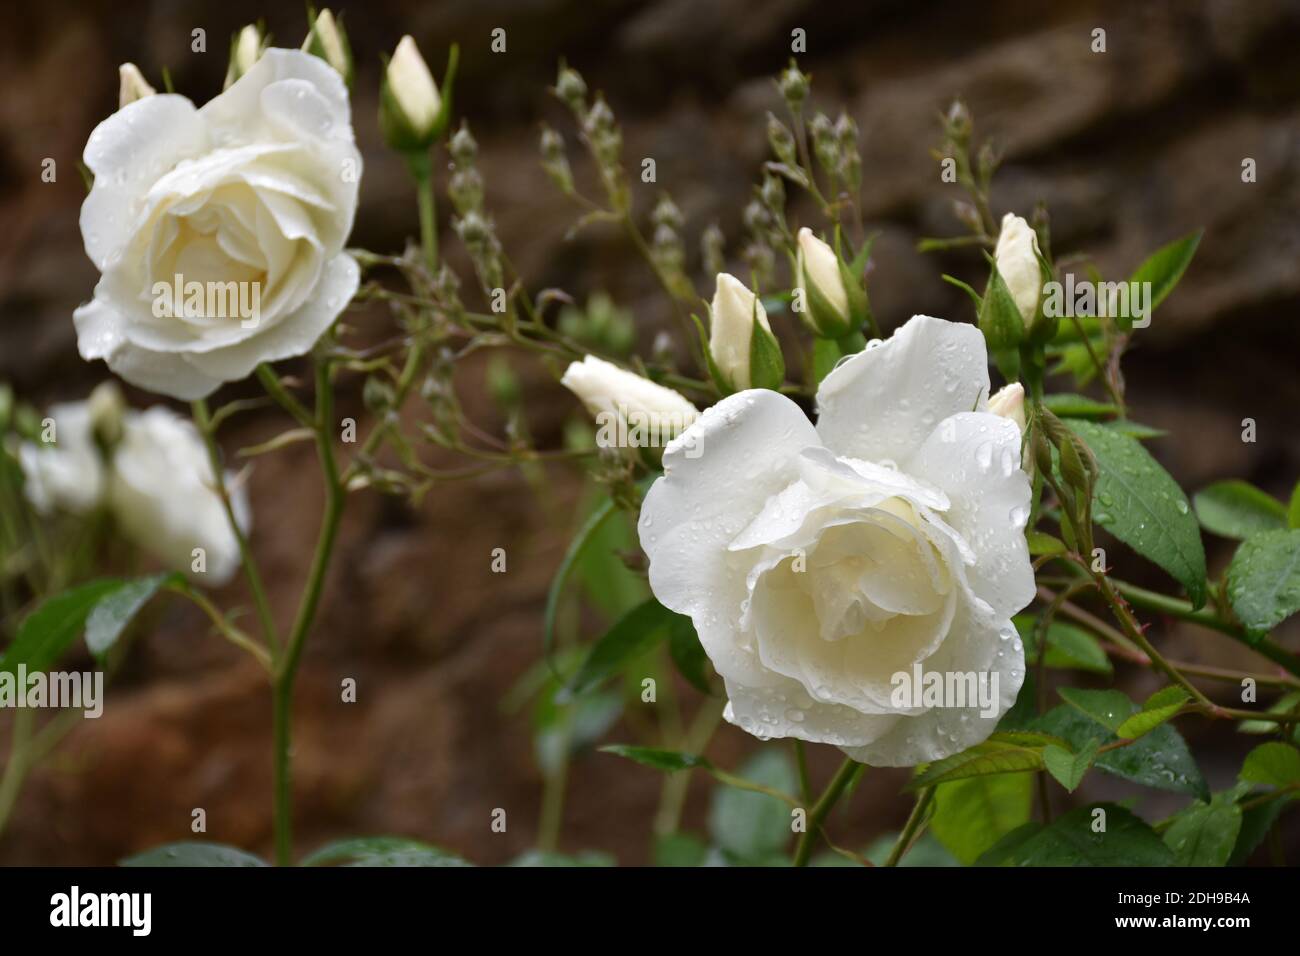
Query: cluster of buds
point(667, 248)
point(555, 160)
point(472, 224)
point(600, 133)
point(836, 148)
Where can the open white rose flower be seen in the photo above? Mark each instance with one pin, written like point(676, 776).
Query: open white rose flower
point(827, 568)
point(219, 231)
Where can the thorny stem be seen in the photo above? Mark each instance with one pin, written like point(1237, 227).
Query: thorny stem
point(911, 827)
point(287, 667)
point(203, 421)
point(847, 773)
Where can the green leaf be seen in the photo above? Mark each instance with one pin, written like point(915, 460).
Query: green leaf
point(667, 760)
point(1273, 764)
point(635, 633)
point(193, 854)
point(1293, 509)
point(680, 849)
point(546, 858)
point(766, 364)
point(999, 318)
point(687, 652)
point(575, 550)
point(1160, 759)
point(116, 610)
point(48, 631)
point(1066, 405)
point(1163, 705)
point(753, 826)
point(1003, 752)
point(1068, 647)
point(1255, 824)
point(1040, 542)
point(1068, 768)
point(1138, 502)
point(1237, 509)
point(972, 814)
point(1264, 580)
point(1205, 833)
point(1283, 705)
point(1072, 841)
point(1134, 429)
point(825, 354)
point(1110, 708)
point(382, 851)
point(1164, 267)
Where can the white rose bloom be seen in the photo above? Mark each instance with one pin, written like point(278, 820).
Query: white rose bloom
point(251, 197)
point(613, 394)
point(819, 563)
point(67, 474)
point(1016, 256)
point(732, 327)
point(162, 493)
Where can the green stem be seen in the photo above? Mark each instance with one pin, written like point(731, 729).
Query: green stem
point(287, 669)
point(203, 421)
point(910, 828)
point(17, 765)
point(422, 169)
point(847, 773)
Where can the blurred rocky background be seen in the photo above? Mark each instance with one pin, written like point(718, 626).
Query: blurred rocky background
point(1129, 149)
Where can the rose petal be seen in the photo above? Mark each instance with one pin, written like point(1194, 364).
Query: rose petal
point(975, 458)
point(880, 404)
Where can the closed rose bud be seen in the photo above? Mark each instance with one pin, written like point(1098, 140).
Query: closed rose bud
point(735, 311)
point(329, 41)
point(106, 408)
point(826, 300)
point(410, 101)
point(246, 49)
point(614, 395)
point(1009, 402)
point(133, 85)
point(1017, 260)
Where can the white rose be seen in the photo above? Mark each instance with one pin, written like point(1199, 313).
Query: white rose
point(162, 493)
point(615, 396)
point(250, 198)
point(731, 330)
point(819, 563)
point(1016, 256)
point(66, 474)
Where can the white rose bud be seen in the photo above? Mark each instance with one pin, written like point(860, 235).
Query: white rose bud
point(1017, 260)
point(615, 396)
point(412, 103)
point(734, 311)
point(133, 85)
point(246, 49)
point(329, 41)
point(106, 408)
point(1009, 402)
point(826, 301)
